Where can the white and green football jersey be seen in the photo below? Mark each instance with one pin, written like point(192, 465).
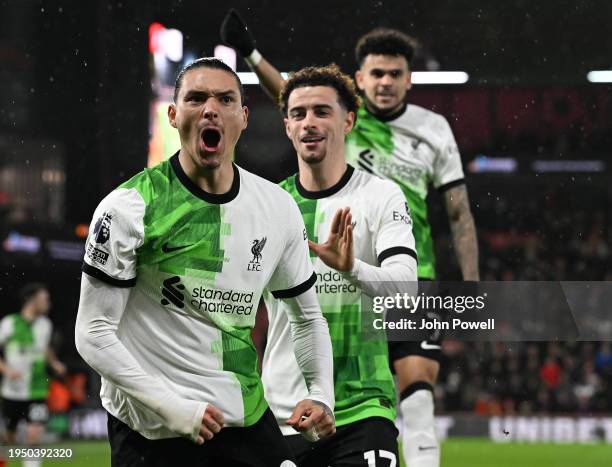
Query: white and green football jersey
point(198, 264)
point(363, 384)
point(25, 345)
point(414, 148)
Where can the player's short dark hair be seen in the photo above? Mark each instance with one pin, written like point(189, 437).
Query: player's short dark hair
point(385, 41)
point(206, 62)
point(330, 76)
point(28, 291)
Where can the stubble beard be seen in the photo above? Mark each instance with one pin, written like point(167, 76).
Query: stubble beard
point(313, 158)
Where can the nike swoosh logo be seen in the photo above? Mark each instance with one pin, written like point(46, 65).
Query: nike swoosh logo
point(427, 448)
point(426, 346)
point(169, 249)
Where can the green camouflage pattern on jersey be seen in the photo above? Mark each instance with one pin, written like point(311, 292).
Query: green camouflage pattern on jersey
point(185, 220)
point(363, 384)
point(21, 342)
point(374, 135)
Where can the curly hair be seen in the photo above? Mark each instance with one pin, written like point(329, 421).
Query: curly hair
point(385, 41)
point(330, 76)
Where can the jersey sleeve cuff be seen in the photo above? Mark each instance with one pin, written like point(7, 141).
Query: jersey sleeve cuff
point(297, 290)
point(396, 250)
point(449, 185)
point(101, 275)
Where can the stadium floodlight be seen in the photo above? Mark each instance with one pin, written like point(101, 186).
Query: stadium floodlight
point(172, 44)
point(167, 43)
point(418, 77)
point(227, 55)
point(600, 76)
point(248, 77)
point(482, 164)
point(440, 77)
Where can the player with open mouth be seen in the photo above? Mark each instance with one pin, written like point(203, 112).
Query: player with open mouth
point(179, 378)
point(211, 139)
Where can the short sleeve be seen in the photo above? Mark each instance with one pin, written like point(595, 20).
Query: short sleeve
point(294, 273)
point(447, 168)
point(115, 233)
point(392, 213)
point(5, 330)
point(46, 331)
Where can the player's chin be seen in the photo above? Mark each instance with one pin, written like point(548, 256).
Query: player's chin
point(386, 104)
point(313, 154)
point(313, 157)
point(209, 160)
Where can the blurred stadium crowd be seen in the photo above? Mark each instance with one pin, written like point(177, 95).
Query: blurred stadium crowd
point(525, 378)
point(560, 240)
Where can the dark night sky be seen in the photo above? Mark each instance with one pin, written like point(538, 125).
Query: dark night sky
point(76, 72)
point(524, 40)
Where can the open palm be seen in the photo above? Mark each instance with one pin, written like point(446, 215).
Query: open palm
point(337, 251)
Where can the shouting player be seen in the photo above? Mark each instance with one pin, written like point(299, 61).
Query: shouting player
point(176, 261)
point(415, 148)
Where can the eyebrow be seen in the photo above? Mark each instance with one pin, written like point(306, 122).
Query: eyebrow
point(317, 106)
point(221, 93)
point(383, 70)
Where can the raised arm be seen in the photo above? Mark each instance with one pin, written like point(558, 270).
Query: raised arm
point(236, 34)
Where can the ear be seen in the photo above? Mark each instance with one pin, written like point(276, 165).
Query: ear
point(287, 129)
point(409, 81)
point(349, 122)
point(359, 79)
point(172, 115)
point(245, 116)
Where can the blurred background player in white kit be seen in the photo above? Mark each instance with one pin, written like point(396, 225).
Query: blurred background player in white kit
point(26, 340)
point(415, 148)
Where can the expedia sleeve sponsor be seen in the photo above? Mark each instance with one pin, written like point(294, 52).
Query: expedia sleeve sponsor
point(394, 233)
point(115, 233)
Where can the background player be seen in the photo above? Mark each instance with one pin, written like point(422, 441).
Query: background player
point(368, 251)
point(26, 337)
point(170, 291)
point(415, 148)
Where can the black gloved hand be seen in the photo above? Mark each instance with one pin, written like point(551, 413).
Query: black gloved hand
point(235, 33)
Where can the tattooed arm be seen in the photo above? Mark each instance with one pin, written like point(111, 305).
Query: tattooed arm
point(463, 230)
